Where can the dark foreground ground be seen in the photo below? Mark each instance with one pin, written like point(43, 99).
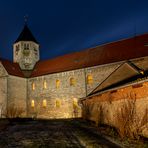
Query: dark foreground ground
point(53, 134)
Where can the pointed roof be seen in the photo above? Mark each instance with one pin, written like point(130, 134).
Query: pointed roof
point(26, 35)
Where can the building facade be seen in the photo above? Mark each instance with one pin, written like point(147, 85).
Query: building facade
point(52, 88)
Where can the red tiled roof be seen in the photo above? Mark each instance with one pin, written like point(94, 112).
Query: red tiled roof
point(12, 68)
point(113, 52)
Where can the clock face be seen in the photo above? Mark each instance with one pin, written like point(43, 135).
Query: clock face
point(26, 53)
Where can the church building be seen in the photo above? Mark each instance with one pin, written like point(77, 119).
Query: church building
point(52, 88)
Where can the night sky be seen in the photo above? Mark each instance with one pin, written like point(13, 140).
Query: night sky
point(65, 26)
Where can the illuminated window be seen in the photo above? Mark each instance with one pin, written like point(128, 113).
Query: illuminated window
point(141, 72)
point(72, 82)
point(75, 102)
point(57, 83)
point(58, 103)
point(44, 103)
point(32, 103)
point(89, 79)
point(45, 84)
point(33, 86)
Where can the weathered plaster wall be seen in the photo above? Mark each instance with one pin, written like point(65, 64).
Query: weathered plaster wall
point(112, 101)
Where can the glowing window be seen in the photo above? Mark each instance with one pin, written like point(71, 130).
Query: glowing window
point(44, 103)
point(57, 83)
point(89, 79)
point(45, 84)
point(32, 103)
point(72, 82)
point(33, 86)
point(58, 103)
point(75, 102)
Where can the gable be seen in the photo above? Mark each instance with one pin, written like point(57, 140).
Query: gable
point(124, 72)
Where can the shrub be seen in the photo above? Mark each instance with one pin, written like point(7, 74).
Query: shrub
point(13, 112)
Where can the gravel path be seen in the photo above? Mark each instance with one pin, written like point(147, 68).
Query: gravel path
point(52, 134)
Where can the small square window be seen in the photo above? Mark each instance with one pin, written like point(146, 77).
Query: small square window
point(44, 103)
point(32, 104)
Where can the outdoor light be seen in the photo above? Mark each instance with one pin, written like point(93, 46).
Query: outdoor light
point(141, 72)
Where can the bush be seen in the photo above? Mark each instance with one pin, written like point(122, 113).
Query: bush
point(13, 112)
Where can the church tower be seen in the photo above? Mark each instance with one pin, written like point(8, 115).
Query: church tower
point(26, 50)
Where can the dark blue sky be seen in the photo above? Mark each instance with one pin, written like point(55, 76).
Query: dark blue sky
point(64, 26)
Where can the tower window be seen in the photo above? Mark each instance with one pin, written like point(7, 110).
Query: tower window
point(57, 83)
point(72, 82)
point(89, 79)
point(32, 103)
point(44, 103)
point(26, 46)
point(33, 86)
point(45, 84)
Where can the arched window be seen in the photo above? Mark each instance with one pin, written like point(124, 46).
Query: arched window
point(44, 103)
point(58, 103)
point(27, 46)
point(57, 83)
point(72, 82)
point(33, 86)
point(45, 84)
point(89, 79)
point(32, 103)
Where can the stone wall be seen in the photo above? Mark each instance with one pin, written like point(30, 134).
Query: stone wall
point(112, 102)
point(3, 90)
point(17, 93)
point(61, 96)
